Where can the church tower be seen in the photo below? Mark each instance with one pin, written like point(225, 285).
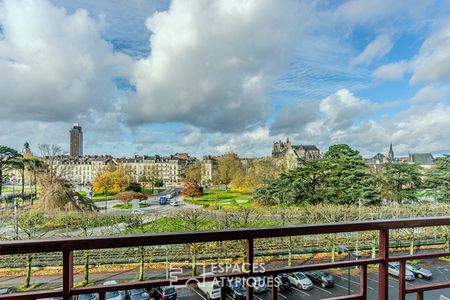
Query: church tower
point(391, 153)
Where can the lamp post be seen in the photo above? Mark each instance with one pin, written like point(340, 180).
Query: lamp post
point(356, 256)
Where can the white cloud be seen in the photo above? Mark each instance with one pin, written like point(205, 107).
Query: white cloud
point(430, 93)
point(432, 63)
point(53, 66)
point(376, 49)
point(295, 117)
point(212, 63)
point(391, 71)
point(342, 108)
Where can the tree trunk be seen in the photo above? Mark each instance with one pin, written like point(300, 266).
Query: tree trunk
point(86, 269)
point(194, 264)
point(411, 247)
point(290, 252)
point(333, 253)
point(142, 264)
point(1, 181)
point(23, 185)
point(374, 247)
point(35, 187)
point(28, 275)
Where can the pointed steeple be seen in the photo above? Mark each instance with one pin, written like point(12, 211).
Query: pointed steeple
point(391, 152)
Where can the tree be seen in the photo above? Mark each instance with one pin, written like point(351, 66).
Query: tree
point(348, 179)
point(135, 187)
point(115, 182)
point(194, 171)
point(54, 169)
point(34, 166)
point(341, 177)
point(86, 222)
point(228, 167)
point(129, 195)
point(31, 223)
point(191, 189)
point(151, 176)
point(400, 181)
point(439, 178)
point(8, 157)
point(193, 220)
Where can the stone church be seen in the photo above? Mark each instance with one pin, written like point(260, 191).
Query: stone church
point(291, 156)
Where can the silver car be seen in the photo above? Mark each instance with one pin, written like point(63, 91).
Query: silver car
point(394, 269)
point(419, 271)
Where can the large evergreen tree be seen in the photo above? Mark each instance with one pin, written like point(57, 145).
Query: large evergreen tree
point(400, 181)
point(8, 159)
point(439, 179)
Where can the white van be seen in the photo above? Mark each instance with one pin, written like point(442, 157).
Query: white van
point(210, 288)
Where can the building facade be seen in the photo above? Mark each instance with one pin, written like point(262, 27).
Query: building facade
point(291, 156)
point(76, 141)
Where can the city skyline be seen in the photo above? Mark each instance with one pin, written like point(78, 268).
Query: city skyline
point(155, 77)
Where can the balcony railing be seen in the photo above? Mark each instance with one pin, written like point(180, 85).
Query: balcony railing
point(68, 246)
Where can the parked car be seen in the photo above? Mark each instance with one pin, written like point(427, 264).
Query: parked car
point(164, 293)
point(419, 271)
point(210, 288)
point(87, 297)
point(5, 291)
point(321, 278)
point(283, 283)
point(300, 280)
point(114, 295)
point(137, 294)
point(394, 269)
point(259, 285)
point(174, 203)
point(236, 289)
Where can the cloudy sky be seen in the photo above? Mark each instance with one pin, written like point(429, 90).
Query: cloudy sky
point(211, 76)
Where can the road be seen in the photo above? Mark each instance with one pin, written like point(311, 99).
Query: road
point(441, 273)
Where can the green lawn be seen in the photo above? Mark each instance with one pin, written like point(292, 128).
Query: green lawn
point(128, 205)
point(224, 195)
point(222, 198)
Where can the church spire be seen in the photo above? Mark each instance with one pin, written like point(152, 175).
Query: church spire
point(391, 152)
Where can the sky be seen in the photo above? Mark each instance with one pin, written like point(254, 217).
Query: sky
point(215, 76)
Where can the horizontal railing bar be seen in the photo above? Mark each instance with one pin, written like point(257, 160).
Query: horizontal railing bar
point(35, 246)
point(418, 256)
point(346, 297)
point(427, 287)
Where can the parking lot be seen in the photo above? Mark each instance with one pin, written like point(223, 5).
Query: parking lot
point(440, 274)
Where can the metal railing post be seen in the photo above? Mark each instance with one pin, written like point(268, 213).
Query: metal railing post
point(249, 289)
point(420, 296)
point(67, 274)
point(383, 250)
point(363, 282)
point(402, 280)
point(274, 288)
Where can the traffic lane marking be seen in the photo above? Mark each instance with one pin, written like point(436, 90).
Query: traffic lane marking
point(301, 291)
point(344, 279)
point(198, 293)
point(278, 293)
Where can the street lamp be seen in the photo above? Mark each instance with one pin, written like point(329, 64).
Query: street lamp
point(356, 256)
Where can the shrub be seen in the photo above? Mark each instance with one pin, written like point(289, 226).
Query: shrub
point(130, 195)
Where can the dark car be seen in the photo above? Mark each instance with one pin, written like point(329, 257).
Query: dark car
point(4, 291)
point(137, 294)
point(236, 289)
point(282, 282)
point(87, 297)
point(321, 278)
point(164, 293)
